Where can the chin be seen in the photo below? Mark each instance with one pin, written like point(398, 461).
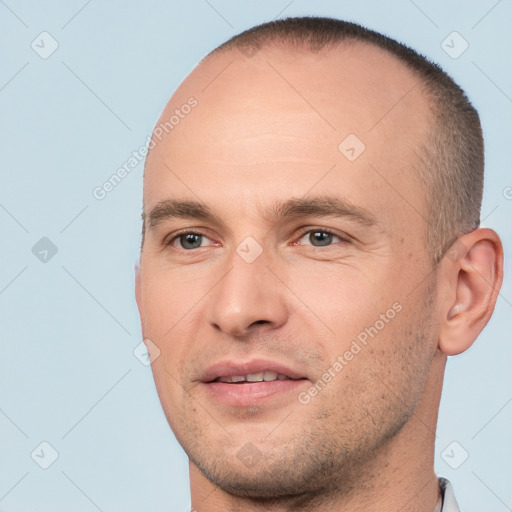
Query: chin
point(282, 477)
point(249, 485)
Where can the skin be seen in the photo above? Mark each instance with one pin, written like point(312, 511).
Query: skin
point(266, 129)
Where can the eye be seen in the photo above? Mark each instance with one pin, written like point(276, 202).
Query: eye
point(319, 238)
point(188, 241)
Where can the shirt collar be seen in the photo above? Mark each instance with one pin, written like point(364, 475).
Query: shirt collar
point(447, 501)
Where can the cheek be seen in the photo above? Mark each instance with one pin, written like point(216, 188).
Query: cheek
point(165, 304)
point(386, 376)
point(166, 325)
point(167, 296)
point(362, 322)
point(338, 298)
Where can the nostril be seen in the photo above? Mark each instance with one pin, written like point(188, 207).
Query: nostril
point(260, 322)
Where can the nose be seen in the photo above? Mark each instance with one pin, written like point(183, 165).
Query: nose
point(248, 297)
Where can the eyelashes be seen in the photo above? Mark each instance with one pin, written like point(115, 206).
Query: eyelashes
point(190, 240)
point(323, 241)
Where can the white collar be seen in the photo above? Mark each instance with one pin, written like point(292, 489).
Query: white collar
point(447, 501)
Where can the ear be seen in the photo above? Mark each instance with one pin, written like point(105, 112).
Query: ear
point(470, 277)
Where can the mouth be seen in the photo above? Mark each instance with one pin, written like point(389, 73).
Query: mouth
point(243, 384)
point(267, 376)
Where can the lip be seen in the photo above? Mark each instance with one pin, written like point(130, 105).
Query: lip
point(254, 393)
point(233, 369)
point(247, 394)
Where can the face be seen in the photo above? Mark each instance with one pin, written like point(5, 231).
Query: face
point(285, 242)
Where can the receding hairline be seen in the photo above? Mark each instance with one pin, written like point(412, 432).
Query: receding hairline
point(292, 34)
point(451, 156)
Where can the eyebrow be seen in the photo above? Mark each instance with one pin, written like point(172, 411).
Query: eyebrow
point(317, 206)
point(322, 206)
point(172, 208)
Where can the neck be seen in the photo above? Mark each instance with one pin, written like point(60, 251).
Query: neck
point(399, 476)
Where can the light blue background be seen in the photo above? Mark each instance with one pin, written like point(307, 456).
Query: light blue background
point(68, 327)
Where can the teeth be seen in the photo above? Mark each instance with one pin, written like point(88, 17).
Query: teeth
point(235, 378)
point(254, 377)
point(266, 376)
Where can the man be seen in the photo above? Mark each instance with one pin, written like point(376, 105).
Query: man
point(311, 255)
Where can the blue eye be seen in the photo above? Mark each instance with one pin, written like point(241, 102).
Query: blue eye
point(191, 241)
point(188, 241)
point(320, 238)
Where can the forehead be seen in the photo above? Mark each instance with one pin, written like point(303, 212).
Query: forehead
point(282, 123)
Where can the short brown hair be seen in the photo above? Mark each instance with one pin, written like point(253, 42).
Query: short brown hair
point(451, 159)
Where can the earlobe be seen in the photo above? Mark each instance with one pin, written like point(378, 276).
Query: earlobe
point(472, 275)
